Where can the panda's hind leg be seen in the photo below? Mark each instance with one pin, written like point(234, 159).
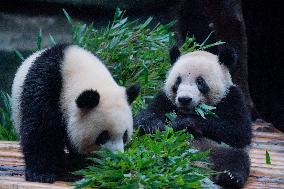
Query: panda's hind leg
point(232, 164)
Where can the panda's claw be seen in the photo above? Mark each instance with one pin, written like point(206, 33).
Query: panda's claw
point(229, 179)
point(230, 174)
point(40, 177)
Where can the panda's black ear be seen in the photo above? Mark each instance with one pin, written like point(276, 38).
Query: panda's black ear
point(88, 99)
point(132, 93)
point(228, 56)
point(174, 54)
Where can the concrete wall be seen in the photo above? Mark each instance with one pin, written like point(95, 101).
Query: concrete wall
point(112, 4)
point(20, 22)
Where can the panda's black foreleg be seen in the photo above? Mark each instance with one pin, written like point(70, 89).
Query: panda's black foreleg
point(233, 165)
point(153, 118)
point(74, 162)
point(42, 142)
point(148, 125)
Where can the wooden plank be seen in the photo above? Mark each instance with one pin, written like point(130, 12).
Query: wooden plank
point(262, 175)
point(20, 183)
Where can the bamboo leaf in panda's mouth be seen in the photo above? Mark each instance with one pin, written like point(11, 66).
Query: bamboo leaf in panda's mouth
point(171, 116)
point(203, 110)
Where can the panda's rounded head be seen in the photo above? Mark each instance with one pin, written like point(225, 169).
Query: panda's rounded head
point(199, 77)
point(97, 110)
point(101, 118)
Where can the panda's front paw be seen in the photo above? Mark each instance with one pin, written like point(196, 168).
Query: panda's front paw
point(40, 177)
point(195, 130)
point(188, 124)
point(230, 179)
point(151, 127)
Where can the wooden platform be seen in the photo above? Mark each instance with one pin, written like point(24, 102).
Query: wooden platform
point(262, 175)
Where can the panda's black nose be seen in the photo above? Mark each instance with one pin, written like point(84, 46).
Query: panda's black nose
point(184, 100)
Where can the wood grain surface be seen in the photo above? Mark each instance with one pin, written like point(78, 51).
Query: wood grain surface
point(262, 175)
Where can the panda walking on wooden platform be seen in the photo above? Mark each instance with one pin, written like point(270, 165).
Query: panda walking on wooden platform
point(201, 77)
point(65, 96)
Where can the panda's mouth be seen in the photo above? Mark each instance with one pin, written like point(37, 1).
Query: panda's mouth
point(185, 110)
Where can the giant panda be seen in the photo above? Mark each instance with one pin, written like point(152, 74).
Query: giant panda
point(65, 97)
point(202, 77)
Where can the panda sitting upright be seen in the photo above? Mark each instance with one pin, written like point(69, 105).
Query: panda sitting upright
point(64, 96)
point(201, 77)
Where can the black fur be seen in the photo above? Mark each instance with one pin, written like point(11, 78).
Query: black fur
point(228, 56)
point(176, 85)
point(42, 130)
point(154, 118)
point(234, 164)
point(174, 54)
point(132, 93)
point(202, 85)
point(184, 101)
point(232, 127)
point(103, 138)
point(125, 137)
point(88, 99)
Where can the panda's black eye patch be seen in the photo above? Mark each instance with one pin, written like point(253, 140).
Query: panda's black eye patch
point(103, 138)
point(125, 137)
point(176, 85)
point(88, 99)
point(202, 85)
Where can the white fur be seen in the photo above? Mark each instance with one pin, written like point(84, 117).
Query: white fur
point(189, 67)
point(83, 71)
point(17, 87)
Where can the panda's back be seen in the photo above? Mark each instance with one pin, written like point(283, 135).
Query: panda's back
point(37, 84)
point(52, 79)
point(17, 86)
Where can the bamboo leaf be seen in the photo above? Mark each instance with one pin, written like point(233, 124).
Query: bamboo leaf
point(19, 54)
point(52, 40)
point(204, 109)
point(67, 16)
point(157, 160)
point(200, 112)
point(39, 39)
point(7, 131)
point(267, 158)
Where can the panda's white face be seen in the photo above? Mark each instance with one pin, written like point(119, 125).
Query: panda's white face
point(95, 107)
point(109, 124)
point(195, 78)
